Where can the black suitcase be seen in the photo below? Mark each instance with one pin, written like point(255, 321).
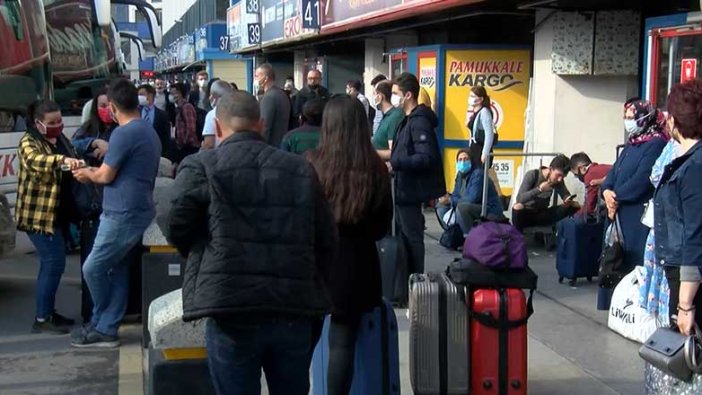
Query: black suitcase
point(393, 266)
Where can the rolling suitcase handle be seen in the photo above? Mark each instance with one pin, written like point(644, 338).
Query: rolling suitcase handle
point(488, 320)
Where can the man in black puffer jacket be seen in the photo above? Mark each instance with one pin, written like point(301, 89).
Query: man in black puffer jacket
point(260, 240)
point(417, 167)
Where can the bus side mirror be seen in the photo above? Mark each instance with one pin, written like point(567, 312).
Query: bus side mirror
point(103, 12)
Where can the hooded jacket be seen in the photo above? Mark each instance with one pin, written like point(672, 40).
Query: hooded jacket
point(416, 160)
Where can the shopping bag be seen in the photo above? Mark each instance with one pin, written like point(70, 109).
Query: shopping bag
point(626, 317)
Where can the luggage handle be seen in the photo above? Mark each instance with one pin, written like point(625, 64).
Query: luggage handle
point(488, 320)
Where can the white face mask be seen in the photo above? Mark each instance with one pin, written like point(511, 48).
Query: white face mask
point(632, 127)
point(396, 100)
point(375, 102)
point(171, 98)
point(213, 103)
point(201, 83)
point(143, 101)
point(472, 101)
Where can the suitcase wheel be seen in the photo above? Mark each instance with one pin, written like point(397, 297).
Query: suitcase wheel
point(560, 280)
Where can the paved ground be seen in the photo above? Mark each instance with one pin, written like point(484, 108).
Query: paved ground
point(571, 351)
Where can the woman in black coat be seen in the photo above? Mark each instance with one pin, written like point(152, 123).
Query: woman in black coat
point(357, 185)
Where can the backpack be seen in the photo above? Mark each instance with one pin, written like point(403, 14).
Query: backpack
point(497, 246)
point(200, 122)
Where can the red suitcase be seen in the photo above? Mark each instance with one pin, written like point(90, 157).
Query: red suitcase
point(499, 342)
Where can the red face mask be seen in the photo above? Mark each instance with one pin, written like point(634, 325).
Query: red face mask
point(52, 132)
point(105, 115)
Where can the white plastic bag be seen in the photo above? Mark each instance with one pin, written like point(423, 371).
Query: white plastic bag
point(626, 317)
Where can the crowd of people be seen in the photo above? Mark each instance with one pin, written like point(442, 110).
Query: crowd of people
point(281, 196)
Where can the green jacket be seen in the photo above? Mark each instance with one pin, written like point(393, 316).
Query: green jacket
point(302, 139)
point(387, 128)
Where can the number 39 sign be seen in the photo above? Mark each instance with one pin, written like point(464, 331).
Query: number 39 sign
point(310, 14)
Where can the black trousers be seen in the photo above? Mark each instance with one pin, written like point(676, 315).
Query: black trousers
point(342, 352)
point(672, 273)
point(528, 217)
point(410, 226)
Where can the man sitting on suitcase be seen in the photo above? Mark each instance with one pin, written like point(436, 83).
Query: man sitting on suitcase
point(536, 192)
point(592, 175)
point(260, 240)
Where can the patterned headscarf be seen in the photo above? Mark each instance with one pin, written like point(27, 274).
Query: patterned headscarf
point(650, 118)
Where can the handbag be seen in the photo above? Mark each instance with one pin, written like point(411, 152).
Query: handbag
point(673, 353)
point(452, 237)
point(496, 245)
point(626, 317)
point(612, 269)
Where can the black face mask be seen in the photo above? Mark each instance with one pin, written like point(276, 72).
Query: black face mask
point(581, 177)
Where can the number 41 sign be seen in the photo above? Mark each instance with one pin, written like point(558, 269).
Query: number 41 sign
point(310, 14)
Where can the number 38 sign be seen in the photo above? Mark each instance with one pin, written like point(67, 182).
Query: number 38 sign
point(310, 14)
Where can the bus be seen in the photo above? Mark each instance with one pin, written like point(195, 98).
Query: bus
point(60, 49)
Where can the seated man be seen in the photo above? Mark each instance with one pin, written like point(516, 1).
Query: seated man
point(466, 199)
point(592, 175)
point(536, 192)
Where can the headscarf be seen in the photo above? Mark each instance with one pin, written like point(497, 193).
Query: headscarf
point(650, 118)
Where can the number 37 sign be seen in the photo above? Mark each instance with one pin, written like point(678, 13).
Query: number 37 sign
point(310, 14)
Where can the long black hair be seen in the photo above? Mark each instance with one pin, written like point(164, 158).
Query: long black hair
point(94, 127)
point(348, 166)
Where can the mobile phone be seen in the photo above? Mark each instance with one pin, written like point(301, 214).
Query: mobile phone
point(65, 167)
point(571, 197)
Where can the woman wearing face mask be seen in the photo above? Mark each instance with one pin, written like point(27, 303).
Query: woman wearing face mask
point(467, 195)
point(91, 139)
point(45, 205)
point(627, 187)
point(678, 207)
point(482, 131)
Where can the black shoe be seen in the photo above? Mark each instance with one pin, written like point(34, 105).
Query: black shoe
point(48, 326)
point(60, 320)
point(81, 331)
point(95, 339)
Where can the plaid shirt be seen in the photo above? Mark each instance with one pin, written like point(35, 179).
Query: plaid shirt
point(186, 125)
point(38, 185)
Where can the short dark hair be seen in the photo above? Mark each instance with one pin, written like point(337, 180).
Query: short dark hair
point(355, 84)
point(408, 82)
point(234, 85)
point(123, 94)
point(240, 104)
point(562, 163)
point(312, 111)
point(685, 105)
point(384, 88)
point(378, 78)
point(150, 90)
point(40, 108)
point(267, 69)
point(579, 159)
point(201, 73)
point(180, 87)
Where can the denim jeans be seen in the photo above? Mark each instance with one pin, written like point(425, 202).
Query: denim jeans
point(52, 262)
point(236, 352)
point(106, 273)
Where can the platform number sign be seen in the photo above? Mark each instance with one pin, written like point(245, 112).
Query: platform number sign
point(254, 30)
point(310, 14)
point(252, 6)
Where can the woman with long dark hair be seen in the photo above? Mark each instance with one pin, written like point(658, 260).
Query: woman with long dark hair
point(483, 134)
point(357, 185)
point(45, 205)
point(91, 139)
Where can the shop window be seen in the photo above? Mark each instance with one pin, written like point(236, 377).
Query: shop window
point(672, 48)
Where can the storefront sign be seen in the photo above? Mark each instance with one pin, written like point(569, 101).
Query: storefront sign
point(338, 11)
point(688, 70)
point(427, 74)
point(283, 20)
point(243, 25)
point(505, 171)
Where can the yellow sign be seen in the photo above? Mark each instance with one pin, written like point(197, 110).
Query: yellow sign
point(505, 75)
point(427, 77)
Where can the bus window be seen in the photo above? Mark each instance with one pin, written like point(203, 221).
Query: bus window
point(10, 11)
point(7, 122)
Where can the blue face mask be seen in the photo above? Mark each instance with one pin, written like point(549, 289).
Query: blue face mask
point(463, 166)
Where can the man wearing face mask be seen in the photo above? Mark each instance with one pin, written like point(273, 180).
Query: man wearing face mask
point(592, 175)
point(218, 90)
point(153, 115)
point(313, 90)
point(187, 140)
point(128, 173)
point(275, 106)
point(199, 97)
point(391, 118)
point(353, 89)
point(378, 113)
point(416, 161)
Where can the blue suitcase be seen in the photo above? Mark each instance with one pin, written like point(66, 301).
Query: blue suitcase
point(579, 247)
point(377, 359)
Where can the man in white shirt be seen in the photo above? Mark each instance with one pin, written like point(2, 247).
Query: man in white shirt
point(353, 89)
point(219, 89)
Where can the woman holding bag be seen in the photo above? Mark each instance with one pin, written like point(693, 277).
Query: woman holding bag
point(678, 208)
